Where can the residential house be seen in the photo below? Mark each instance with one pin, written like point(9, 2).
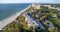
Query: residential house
point(32, 22)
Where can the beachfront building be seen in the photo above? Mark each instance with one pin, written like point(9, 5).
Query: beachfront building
point(36, 6)
point(32, 22)
point(49, 6)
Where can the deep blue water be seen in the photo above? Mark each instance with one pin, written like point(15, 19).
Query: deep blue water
point(7, 10)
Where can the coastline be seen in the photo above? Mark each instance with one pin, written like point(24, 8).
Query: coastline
point(10, 19)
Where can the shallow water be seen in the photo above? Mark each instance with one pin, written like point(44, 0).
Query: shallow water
point(7, 10)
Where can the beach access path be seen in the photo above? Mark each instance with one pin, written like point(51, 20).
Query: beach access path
point(8, 20)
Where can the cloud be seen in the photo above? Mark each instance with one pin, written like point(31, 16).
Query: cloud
point(29, 1)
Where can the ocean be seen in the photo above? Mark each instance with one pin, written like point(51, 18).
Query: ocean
point(7, 10)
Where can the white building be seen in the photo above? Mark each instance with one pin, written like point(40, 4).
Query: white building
point(32, 22)
point(36, 6)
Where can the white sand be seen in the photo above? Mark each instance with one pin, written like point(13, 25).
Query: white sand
point(10, 19)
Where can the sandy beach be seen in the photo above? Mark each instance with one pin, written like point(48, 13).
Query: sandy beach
point(8, 20)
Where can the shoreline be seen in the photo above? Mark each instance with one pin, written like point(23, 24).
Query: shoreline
point(10, 19)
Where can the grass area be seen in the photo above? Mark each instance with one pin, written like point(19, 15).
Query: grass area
point(23, 22)
point(13, 27)
point(17, 26)
point(55, 21)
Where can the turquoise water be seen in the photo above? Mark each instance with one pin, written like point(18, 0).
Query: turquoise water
point(7, 10)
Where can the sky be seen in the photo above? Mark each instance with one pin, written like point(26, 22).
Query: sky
point(29, 1)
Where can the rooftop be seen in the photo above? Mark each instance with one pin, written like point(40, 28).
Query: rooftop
point(31, 20)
